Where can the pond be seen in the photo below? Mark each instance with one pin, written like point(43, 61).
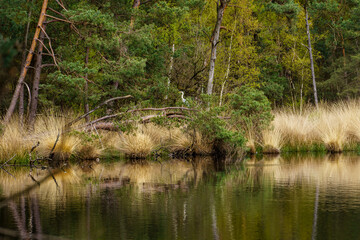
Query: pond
point(292, 197)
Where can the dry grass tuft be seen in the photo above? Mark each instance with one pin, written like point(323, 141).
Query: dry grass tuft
point(88, 152)
point(136, 145)
point(251, 142)
point(13, 141)
point(333, 125)
point(272, 140)
point(201, 146)
point(179, 141)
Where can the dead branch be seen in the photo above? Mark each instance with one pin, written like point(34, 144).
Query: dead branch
point(96, 108)
point(50, 54)
point(61, 4)
point(32, 149)
point(8, 173)
point(52, 50)
point(52, 150)
point(110, 126)
point(7, 162)
point(48, 65)
point(54, 11)
point(29, 96)
point(58, 19)
point(140, 110)
point(53, 177)
point(32, 178)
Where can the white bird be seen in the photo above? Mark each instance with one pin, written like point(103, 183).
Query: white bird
point(182, 97)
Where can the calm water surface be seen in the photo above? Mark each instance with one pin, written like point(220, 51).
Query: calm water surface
point(272, 198)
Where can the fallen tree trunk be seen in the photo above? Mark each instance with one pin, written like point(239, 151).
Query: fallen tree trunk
point(140, 110)
point(94, 109)
point(111, 126)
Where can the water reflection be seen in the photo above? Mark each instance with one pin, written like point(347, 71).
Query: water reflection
point(271, 198)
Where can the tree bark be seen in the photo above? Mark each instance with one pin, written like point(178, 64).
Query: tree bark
point(21, 100)
point(170, 69)
point(36, 82)
point(86, 103)
point(21, 106)
point(214, 41)
point(136, 5)
point(228, 66)
point(311, 57)
point(15, 97)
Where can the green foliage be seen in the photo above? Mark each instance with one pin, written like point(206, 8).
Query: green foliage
point(215, 129)
point(250, 109)
point(7, 51)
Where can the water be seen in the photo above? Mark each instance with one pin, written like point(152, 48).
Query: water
point(272, 198)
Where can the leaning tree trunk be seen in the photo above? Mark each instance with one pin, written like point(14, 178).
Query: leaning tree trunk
point(36, 82)
point(214, 41)
point(311, 57)
point(15, 97)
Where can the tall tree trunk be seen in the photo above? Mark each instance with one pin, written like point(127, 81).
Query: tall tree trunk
point(36, 82)
point(15, 97)
point(311, 57)
point(21, 106)
point(21, 100)
point(170, 68)
point(86, 103)
point(136, 5)
point(228, 66)
point(214, 41)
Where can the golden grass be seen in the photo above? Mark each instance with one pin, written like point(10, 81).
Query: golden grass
point(147, 138)
point(138, 144)
point(272, 140)
point(179, 141)
point(13, 141)
point(251, 142)
point(333, 125)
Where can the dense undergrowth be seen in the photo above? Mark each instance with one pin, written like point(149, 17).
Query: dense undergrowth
point(245, 124)
point(205, 130)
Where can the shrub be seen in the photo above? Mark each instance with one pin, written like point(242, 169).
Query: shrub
point(251, 110)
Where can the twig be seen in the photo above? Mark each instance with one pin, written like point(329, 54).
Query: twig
point(102, 146)
point(31, 176)
point(59, 13)
point(7, 161)
point(32, 149)
point(52, 175)
point(29, 96)
point(52, 51)
point(8, 172)
point(51, 152)
point(50, 54)
point(59, 19)
point(61, 4)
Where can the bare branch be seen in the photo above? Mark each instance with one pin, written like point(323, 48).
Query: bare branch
point(58, 19)
point(97, 107)
point(52, 51)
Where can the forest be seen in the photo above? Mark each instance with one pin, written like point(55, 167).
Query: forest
point(217, 68)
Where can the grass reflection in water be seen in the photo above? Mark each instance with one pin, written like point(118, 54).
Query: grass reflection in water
point(271, 198)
